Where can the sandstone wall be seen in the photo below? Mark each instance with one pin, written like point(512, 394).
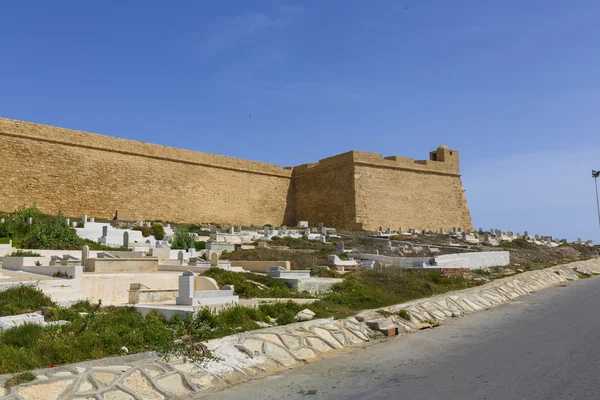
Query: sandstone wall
point(77, 172)
point(325, 192)
point(358, 190)
point(388, 197)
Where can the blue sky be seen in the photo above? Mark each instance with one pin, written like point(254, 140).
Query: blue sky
point(514, 86)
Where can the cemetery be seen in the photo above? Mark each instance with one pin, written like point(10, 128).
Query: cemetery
point(81, 283)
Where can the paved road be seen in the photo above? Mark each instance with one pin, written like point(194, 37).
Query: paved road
point(545, 346)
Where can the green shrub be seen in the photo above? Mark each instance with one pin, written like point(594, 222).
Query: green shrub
point(324, 273)
point(158, 231)
point(404, 314)
point(21, 253)
point(146, 230)
point(182, 239)
point(22, 336)
point(200, 245)
point(22, 299)
point(52, 233)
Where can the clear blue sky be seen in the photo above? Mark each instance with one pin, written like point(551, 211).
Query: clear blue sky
point(513, 85)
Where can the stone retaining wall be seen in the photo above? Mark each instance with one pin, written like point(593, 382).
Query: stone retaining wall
point(257, 353)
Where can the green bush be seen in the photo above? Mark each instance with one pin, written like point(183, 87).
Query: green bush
point(182, 239)
point(45, 232)
point(325, 273)
point(21, 253)
point(51, 233)
point(404, 314)
point(158, 231)
point(22, 299)
point(146, 230)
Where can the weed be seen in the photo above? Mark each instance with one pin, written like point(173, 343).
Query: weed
point(404, 314)
point(385, 313)
point(19, 379)
point(481, 271)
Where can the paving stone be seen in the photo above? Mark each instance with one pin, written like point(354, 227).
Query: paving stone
point(81, 370)
point(331, 327)
point(104, 377)
point(84, 398)
point(318, 344)
point(62, 373)
point(41, 377)
point(152, 372)
point(279, 353)
point(291, 341)
point(120, 368)
point(360, 335)
point(139, 384)
point(327, 337)
point(45, 391)
point(117, 395)
point(472, 305)
point(174, 385)
point(304, 353)
point(253, 345)
point(270, 337)
point(352, 338)
point(340, 337)
point(205, 381)
point(85, 386)
point(188, 368)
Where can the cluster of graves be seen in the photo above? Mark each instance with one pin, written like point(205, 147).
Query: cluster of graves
point(493, 237)
point(148, 273)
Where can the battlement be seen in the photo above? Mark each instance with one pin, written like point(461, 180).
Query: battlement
point(442, 161)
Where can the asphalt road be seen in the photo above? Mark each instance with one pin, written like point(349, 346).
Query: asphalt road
point(544, 346)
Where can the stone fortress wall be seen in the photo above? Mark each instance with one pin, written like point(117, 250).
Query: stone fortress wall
point(83, 173)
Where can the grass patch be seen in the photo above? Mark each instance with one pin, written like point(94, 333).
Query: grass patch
point(95, 332)
point(22, 299)
point(325, 273)
point(248, 285)
point(45, 231)
point(19, 379)
point(481, 271)
point(303, 253)
point(372, 289)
